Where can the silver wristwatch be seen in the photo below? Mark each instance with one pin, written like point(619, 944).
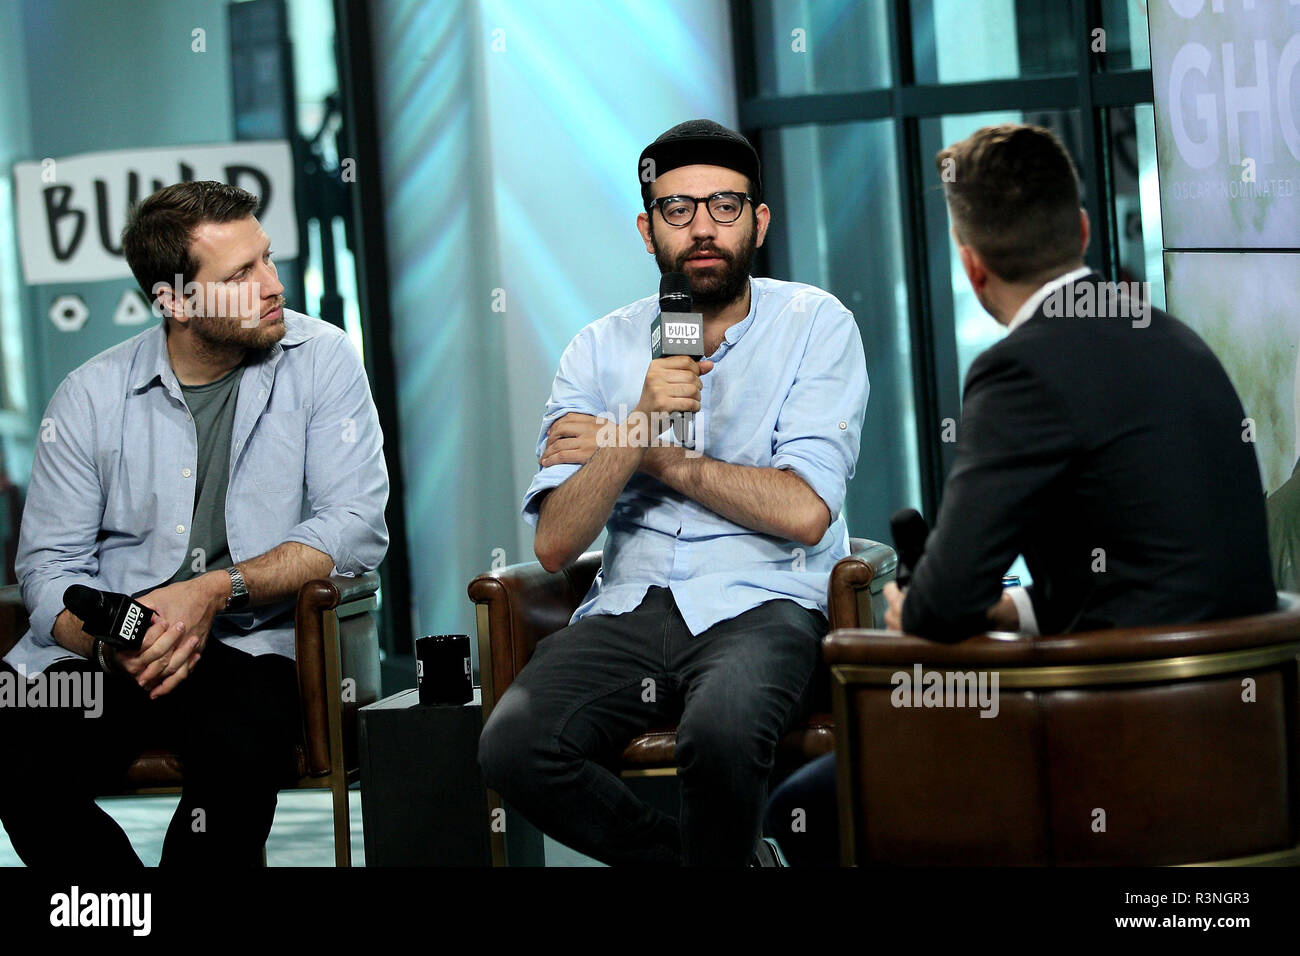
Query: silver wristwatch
point(238, 599)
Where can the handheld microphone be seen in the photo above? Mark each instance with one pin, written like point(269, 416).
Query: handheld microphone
point(909, 531)
point(117, 618)
point(675, 296)
point(682, 334)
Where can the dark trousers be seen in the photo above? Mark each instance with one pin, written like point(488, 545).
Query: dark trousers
point(553, 742)
point(803, 815)
point(234, 723)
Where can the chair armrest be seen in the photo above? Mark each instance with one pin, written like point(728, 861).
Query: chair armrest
point(320, 633)
point(854, 597)
point(519, 605)
point(339, 589)
point(1000, 649)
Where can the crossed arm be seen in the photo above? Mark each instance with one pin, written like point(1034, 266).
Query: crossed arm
point(773, 501)
point(768, 500)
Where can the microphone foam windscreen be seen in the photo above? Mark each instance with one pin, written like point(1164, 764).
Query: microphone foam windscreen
point(81, 600)
point(909, 530)
point(675, 292)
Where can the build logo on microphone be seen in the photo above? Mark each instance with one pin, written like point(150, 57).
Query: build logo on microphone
point(127, 631)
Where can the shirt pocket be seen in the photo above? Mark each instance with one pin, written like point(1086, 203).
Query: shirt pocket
point(277, 452)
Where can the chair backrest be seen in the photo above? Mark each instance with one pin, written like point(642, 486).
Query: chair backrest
point(1146, 746)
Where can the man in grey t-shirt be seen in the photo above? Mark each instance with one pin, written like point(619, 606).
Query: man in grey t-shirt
point(209, 466)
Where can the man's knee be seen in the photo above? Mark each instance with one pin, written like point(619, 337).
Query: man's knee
point(508, 743)
point(714, 746)
point(264, 762)
point(50, 753)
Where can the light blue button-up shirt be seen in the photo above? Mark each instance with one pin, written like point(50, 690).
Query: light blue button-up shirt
point(788, 390)
point(112, 490)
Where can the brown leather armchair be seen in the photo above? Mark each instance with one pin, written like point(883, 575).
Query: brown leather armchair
point(337, 640)
point(1137, 746)
point(519, 605)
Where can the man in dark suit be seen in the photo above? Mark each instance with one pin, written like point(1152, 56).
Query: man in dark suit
point(1101, 438)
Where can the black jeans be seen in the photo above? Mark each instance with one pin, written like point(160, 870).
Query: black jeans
point(234, 722)
point(554, 736)
point(803, 815)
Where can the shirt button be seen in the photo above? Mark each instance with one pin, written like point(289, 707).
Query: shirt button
point(843, 425)
point(180, 529)
point(189, 417)
point(185, 472)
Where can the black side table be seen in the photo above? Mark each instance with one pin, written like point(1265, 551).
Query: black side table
point(422, 796)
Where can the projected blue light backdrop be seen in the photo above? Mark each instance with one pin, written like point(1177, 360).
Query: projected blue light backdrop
point(511, 133)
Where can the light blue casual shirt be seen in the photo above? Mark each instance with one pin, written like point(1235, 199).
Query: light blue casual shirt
point(788, 390)
point(112, 490)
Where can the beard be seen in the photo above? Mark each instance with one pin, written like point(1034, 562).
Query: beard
point(224, 334)
point(721, 285)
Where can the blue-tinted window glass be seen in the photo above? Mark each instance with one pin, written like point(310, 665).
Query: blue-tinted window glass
point(835, 224)
point(1127, 39)
point(958, 41)
point(820, 46)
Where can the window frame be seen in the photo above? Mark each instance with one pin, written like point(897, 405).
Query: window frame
point(1091, 90)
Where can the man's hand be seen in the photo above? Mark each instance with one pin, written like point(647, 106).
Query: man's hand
point(1002, 616)
point(165, 657)
point(895, 596)
point(572, 439)
point(194, 603)
point(672, 384)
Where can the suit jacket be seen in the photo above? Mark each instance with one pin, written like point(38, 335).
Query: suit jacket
point(1112, 457)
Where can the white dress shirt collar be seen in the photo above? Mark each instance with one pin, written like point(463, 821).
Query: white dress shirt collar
point(1032, 303)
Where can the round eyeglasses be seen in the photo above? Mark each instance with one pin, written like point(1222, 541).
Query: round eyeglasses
point(724, 207)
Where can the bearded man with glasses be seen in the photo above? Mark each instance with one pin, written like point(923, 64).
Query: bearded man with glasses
point(711, 602)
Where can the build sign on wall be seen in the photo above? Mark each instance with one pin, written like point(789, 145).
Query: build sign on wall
point(71, 210)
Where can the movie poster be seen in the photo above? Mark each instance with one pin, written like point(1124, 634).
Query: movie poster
point(1226, 75)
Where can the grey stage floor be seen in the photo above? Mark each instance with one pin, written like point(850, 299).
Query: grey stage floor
point(302, 835)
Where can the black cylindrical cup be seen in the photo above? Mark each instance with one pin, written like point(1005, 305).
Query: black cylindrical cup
point(442, 670)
